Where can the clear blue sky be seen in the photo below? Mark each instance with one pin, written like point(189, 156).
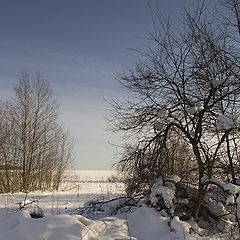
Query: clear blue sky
point(78, 45)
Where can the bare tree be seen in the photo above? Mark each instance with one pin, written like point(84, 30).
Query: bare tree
point(34, 142)
point(187, 85)
point(141, 167)
point(8, 153)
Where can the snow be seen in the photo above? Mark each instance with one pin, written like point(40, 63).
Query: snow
point(60, 220)
point(147, 73)
point(192, 110)
point(173, 178)
point(24, 202)
point(145, 224)
point(231, 188)
point(200, 106)
point(89, 175)
point(166, 193)
point(75, 191)
point(230, 200)
point(163, 113)
point(158, 126)
point(21, 226)
point(58, 210)
point(195, 108)
point(217, 208)
point(180, 229)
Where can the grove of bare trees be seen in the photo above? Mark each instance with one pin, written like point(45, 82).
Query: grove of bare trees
point(34, 149)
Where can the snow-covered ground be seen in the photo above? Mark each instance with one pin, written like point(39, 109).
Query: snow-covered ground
point(89, 175)
point(61, 219)
point(79, 187)
point(143, 224)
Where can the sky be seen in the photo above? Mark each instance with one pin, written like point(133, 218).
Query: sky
point(79, 46)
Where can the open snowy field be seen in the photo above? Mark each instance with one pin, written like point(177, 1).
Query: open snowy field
point(79, 187)
point(89, 175)
point(61, 219)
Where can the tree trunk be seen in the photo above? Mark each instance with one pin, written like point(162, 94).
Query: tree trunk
point(201, 185)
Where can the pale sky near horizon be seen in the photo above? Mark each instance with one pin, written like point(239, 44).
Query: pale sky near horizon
point(79, 46)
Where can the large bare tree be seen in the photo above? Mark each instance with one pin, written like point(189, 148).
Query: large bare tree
point(186, 84)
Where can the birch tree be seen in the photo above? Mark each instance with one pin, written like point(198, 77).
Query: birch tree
point(34, 143)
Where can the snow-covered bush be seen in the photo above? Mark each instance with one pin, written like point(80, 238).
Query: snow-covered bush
point(32, 208)
point(175, 199)
point(162, 194)
point(109, 207)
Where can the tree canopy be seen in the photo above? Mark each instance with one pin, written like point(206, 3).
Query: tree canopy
point(184, 89)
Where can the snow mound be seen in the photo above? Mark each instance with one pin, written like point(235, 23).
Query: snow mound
point(180, 229)
point(147, 223)
point(196, 108)
point(230, 187)
point(20, 226)
point(165, 192)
